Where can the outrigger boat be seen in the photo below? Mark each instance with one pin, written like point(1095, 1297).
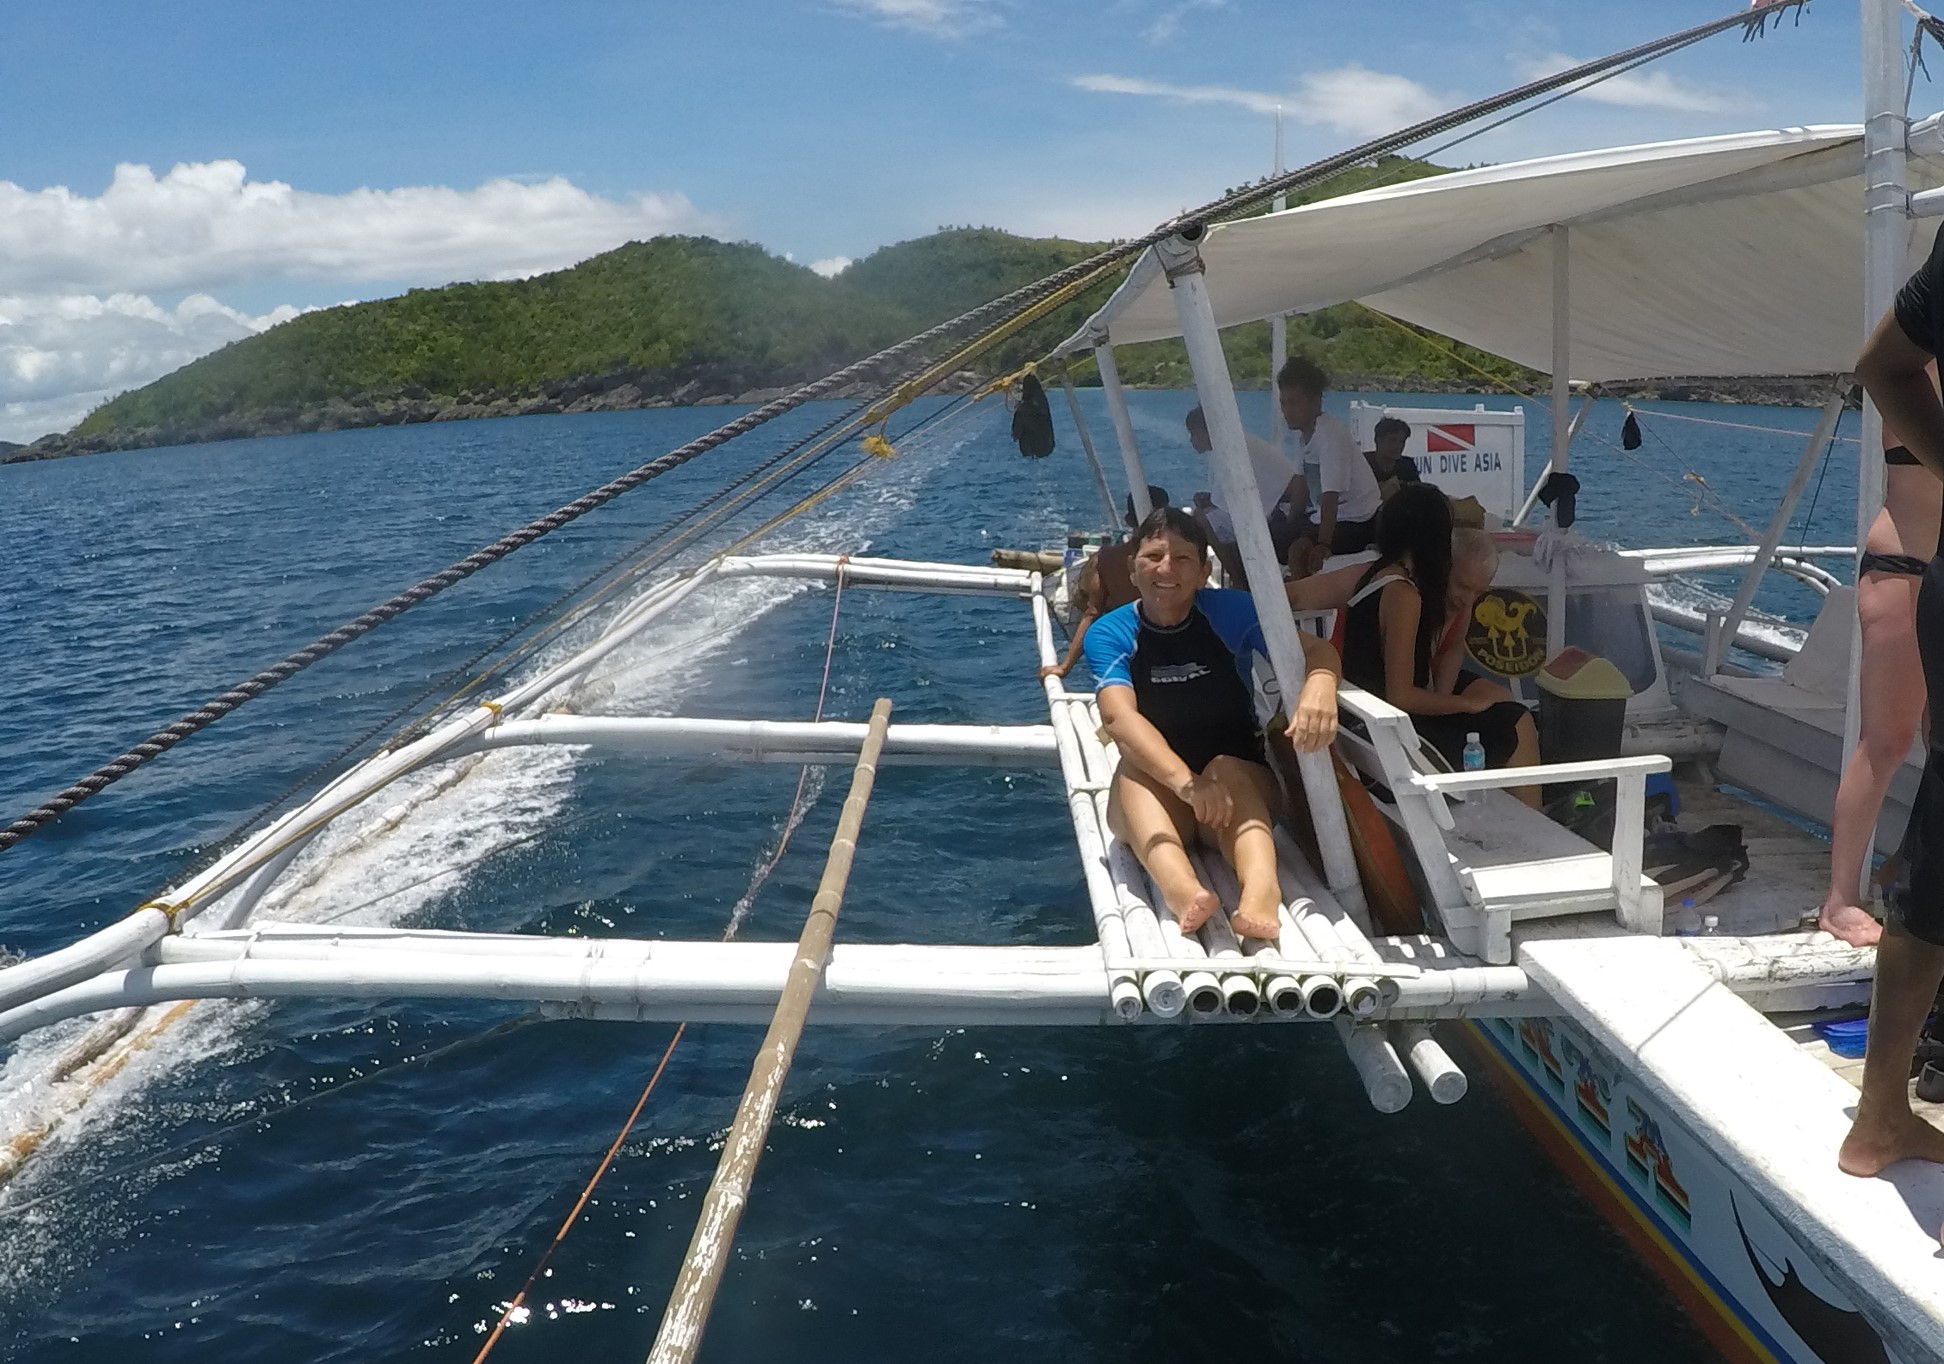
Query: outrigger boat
point(1677, 1077)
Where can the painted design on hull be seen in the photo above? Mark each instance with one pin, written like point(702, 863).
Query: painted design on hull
point(1839, 1335)
point(1592, 1090)
point(1536, 1038)
point(1647, 1161)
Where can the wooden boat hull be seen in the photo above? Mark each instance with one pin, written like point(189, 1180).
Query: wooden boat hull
point(1754, 1293)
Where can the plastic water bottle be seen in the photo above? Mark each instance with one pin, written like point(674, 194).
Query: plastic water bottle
point(1474, 753)
point(1687, 924)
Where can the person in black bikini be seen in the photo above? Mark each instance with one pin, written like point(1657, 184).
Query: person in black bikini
point(1910, 956)
point(1169, 671)
point(1392, 625)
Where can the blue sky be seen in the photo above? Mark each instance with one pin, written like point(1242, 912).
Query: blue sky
point(350, 150)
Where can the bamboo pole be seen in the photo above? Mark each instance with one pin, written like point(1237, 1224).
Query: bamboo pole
point(688, 1306)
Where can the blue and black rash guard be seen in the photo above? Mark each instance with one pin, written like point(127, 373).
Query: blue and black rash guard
point(1188, 679)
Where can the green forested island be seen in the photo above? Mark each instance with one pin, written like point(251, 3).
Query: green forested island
point(687, 320)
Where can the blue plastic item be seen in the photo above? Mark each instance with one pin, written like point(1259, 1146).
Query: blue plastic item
point(1846, 1037)
point(1662, 784)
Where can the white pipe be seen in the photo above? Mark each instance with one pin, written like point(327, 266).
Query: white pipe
point(1091, 835)
point(1236, 485)
point(121, 941)
point(1110, 385)
point(1241, 996)
point(1124, 994)
point(1162, 989)
point(1384, 1078)
point(855, 989)
point(778, 741)
point(1539, 483)
point(1087, 445)
point(1442, 1078)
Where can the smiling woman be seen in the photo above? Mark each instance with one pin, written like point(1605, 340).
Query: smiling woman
point(1171, 673)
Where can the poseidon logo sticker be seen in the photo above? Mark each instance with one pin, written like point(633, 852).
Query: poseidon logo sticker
point(1507, 633)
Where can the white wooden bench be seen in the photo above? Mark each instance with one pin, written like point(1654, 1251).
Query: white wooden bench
point(1494, 860)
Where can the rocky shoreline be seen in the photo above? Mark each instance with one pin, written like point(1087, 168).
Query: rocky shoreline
point(634, 390)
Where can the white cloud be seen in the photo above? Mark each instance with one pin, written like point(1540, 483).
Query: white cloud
point(1167, 25)
point(831, 267)
point(61, 354)
point(1645, 89)
point(79, 274)
point(932, 18)
point(1349, 99)
point(205, 225)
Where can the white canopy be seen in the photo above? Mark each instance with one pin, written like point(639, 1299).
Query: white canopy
point(1732, 255)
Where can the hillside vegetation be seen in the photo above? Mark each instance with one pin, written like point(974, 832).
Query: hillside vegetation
point(680, 320)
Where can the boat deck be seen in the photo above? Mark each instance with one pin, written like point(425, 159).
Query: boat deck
point(1787, 861)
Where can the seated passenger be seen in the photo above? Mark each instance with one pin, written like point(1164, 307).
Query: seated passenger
point(1104, 584)
point(1219, 526)
point(1387, 460)
point(1172, 681)
point(1348, 502)
point(1394, 623)
point(1279, 482)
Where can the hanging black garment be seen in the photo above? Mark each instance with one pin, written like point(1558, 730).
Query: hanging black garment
point(1032, 428)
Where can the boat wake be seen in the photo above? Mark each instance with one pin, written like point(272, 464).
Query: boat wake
point(74, 1100)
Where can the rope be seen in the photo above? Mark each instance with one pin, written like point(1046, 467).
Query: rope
point(1070, 279)
point(798, 809)
point(1658, 415)
point(1708, 496)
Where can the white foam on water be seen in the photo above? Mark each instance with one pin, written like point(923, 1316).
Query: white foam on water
point(361, 872)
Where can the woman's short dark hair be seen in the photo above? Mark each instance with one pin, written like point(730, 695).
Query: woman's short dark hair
point(1166, 520)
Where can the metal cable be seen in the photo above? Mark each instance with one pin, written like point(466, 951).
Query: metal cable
point(1752, 22)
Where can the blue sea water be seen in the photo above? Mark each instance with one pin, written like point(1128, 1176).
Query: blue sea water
point(1126, 1194)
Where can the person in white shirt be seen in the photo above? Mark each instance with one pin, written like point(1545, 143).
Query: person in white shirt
point(1279, 481)
point(1348, 501)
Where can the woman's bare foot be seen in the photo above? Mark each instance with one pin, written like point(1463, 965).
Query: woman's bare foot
point(1872, 1147)
point(1852, 924)
point(1199, 908)
point(1256, 917)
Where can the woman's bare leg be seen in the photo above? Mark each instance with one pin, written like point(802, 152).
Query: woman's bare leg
point(1892, 691)
point(1248, 845)
point(1157, 825)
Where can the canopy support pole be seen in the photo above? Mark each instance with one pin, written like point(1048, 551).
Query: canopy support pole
point(715, 1228)
point(1538, 484)
point(1086, 444)
point(1562, 438)
point(1110, 384)
point(1279, 324)
point(1886, 209)
point(1236, 489)
point(1723, 628)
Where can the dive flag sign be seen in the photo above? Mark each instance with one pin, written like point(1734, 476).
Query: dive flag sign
point(1471, 452)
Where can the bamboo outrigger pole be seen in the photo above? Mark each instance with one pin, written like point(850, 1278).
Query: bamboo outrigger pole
point(688, 1306)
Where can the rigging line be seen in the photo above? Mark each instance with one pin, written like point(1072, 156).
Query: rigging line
point(1660, 415)
point(1708, 496)
point(1809, 517)
point(736, 918)
point(1753, 23)
point(386, 725)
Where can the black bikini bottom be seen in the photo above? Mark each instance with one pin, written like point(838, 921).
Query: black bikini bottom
point(1902, 564)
